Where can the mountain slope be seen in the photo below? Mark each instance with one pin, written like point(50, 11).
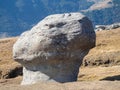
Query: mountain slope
point(17, 16)
point(106, 12)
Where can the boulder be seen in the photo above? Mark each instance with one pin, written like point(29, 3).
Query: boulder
point(53, 50)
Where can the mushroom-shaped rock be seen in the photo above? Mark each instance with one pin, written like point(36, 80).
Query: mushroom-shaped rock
point(53, 50)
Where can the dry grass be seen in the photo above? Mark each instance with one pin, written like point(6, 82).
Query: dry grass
point(99, 73)
point(107, 50)
point(6, 61)
point(108, 40)
point(6, 50)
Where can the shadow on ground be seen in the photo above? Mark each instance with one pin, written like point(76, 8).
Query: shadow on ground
point(112, 78)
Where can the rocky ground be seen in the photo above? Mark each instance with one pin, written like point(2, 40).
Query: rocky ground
point(100, 69)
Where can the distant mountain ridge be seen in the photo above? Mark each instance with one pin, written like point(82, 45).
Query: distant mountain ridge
point(17, 16)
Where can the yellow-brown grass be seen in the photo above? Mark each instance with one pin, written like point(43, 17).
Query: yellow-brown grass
point(106, 52)
point(6, 61)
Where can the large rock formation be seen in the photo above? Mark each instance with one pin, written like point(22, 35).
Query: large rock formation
point(53, 50)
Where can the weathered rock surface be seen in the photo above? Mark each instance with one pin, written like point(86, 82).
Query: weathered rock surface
point(53, 50)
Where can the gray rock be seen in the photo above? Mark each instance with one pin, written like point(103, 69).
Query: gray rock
point(107, 27)
point(113, 26)
point(100, 27)
point(53, 50)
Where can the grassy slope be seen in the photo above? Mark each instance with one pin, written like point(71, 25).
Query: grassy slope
point(7, 64)
point(106, 52)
